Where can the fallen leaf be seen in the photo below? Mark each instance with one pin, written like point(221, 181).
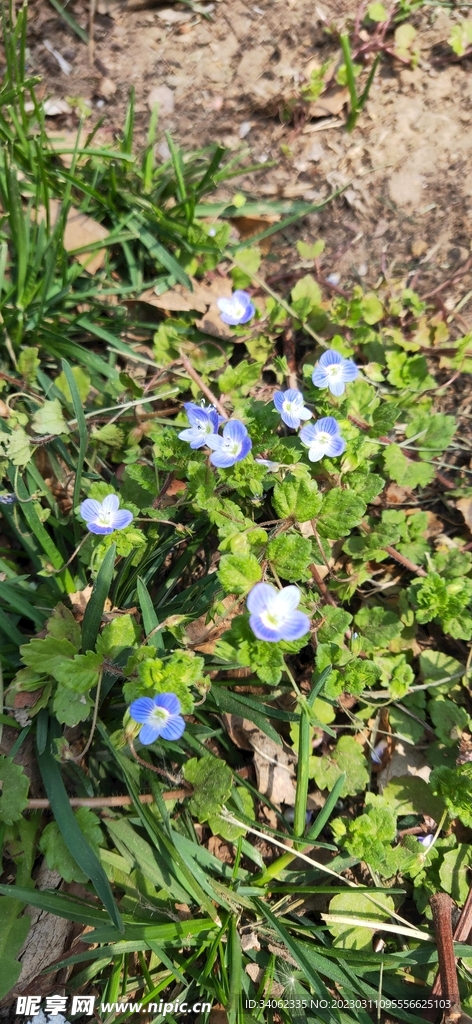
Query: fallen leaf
point(274, 764)
point(79, 601)
point(330, 102)
point(465, 506)
point(80, 230)
point(247, 227)
point(256, 975)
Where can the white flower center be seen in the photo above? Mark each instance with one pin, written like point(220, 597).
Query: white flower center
point(335, 370)
point(288, 406)
point(323, 438)
point(271, 619)
point(158, 716)
point(233, 447)
point(238, 309)
point(205, 428)
point(105, 518)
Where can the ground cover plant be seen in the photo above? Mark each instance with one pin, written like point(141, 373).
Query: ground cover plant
point(235, 600)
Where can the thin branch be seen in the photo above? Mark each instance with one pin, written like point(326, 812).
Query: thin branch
point(108, 801)
point(203, 387)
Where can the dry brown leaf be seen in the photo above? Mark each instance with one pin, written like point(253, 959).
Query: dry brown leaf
point(79, 601)
point(397, 495)
point(247, 227)
point(405, 760)
point(330, 103)
point(465, 506)
point(80, 230)
point(218, 1015)
point(256, 975)
point(274, 763)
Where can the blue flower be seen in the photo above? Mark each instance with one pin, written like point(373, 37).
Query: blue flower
point(291, 407)
point(232, 447)
point(378, 752)
point(204, 420)
point(425, 840)
point(333, 371)
point(274, 615)
point(160, 717)
point(236, 310)
point(8, 499)
point(323, 439)
point(105, 516)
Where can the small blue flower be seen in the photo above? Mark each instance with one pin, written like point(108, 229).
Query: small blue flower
point(232, 447)
point(8, 499)
point(378, 751)
point(333, 371)
point(323, 439)
point(160, 717)
point(425, 840)
point(105, 516)
point(274, 615)
point(291, 407)
point(204, 420)
point(236, 310)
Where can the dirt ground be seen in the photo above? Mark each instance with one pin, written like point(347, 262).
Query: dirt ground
point(407, 211)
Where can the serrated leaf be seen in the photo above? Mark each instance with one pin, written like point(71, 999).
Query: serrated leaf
point(81, 674)
point(17, 447)
point(410, 794)
point(306, 295)
point(13, 932)
point(55, 850)
point(121, 632)
point(71, 708)
point(28, 363)
point(290, 554)
point(449, 720)
point(62, 626)
point(335, 621)
point(14, 785)
point(49, 419)
point(347, 757)
point(212, 781)
point(238, 573)
point(378, 627)
point(454, 872)
point(340, 511)
point(48, 655)
point(110, 435)
point(454, 786)
point(297, 498)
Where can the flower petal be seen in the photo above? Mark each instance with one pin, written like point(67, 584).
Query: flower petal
point(263, 632)
point(335, 448)
point(291, 419)
point(350, 370)
point(169, 701)
point(316, 451)
point(149, 733)
point(90, 509)
point(330, 358)
point(308, 434)
point(259, 598)
point(195, 438)
point(293, 395)
point(122, 518)
point(141, 709)
point(295, 627)
point(173, 728)
point(111, 503)
point(197, 416)
point(223, 459)
point(278, 399)
point(234, 430)
point(287, 600)
point(94, 527)
point(320, 377)
point(337, 387)
point(327, 425)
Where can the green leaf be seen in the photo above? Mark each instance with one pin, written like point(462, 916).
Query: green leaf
point(62, 626)
point(435, 665)
point(49, 419)
point(449, 720)
point(249, 261)
point(28, 363)
point(357, 905)
point(238, 573)
point(121, 632)
point(335, 622)
point(82, 381)
point(454, 874)
point(14, 786)
point(110, 435)
point(239, 378)
point(369, 836)
point(57, 855)
point(377, 12)
point(378, 627)
point(347, 757)
point(360, 675)
point(96, 604)
point(340, 511)
point(212, 782)
point(81, 674)
point(13, 932)
point(219, 826)
point(72, 835)
point(437, 430)
point(17, 447)
point(405, 726)
point(372, 309)
point(48, 655)
point(454, 785)
point(406, 472)
point(306, 296)
point(297, 498)
point(310, 251)
point(70, 708)
point(290, 554)
point(410, 794)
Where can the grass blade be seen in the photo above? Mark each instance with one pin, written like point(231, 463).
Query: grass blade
point(76, 843)
point(94, 609)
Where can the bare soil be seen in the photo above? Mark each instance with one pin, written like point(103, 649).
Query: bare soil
point(407, 211)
